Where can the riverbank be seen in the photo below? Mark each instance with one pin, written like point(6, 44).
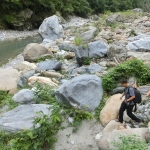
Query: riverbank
point(10, 35)
point(10, 49)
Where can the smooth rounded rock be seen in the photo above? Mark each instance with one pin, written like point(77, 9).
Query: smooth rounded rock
point(34, 51)
point(111, 109)
point(9, 79)
point(24, 96)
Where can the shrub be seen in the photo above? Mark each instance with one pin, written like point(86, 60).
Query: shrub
point(43, 134)
point(130, 142)
point(134, 68)
point(39, 138)
point(6, 99)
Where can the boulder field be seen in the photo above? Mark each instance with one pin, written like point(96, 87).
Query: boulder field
point(71, 62)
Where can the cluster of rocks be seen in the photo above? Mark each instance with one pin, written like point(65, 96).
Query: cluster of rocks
point(59, 62)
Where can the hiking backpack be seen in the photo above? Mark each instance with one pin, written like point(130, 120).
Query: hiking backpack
point(138, 97)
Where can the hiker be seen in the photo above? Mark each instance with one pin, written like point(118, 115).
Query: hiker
point(148, 94)
point(128, 103)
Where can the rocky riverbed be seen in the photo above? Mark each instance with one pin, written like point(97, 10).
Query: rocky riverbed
point(9, 35)
point(71, 60)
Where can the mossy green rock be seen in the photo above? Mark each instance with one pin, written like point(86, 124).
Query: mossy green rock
point(21, 20)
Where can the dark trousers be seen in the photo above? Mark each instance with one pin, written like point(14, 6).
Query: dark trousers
point(129, 112)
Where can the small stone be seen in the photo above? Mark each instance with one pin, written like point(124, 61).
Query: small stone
point(72, 142)
point(50, 65)
point(98, 136)
point(70, 120)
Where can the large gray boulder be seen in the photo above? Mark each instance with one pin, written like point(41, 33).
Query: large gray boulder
point(88, 35)
point(117, 90)
point(112, 19)
point(22, 117)
point(119, 52)
point(67, 47)
point(139, 44)
point(34, 51)
point(144, 56)
point(92, 69)
point(84, 91)
point(51, 29)
point(24, 96)
point(50, 65)
point(144, 89)
point(95, 49)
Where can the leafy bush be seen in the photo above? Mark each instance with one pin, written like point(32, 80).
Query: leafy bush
point(43, 134)
point(39, 138)
point(46, 95)
point(134, 68)
point(79, 7)
point(130, 142)
point(6, 99)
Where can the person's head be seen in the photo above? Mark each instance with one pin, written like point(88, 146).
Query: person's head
point(124, 83)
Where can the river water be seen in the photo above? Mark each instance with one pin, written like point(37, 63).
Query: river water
point(10, 49)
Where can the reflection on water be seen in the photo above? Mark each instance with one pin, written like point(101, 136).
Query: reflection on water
point(10, 49)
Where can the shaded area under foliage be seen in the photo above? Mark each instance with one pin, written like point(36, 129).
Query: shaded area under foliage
point(12, 11)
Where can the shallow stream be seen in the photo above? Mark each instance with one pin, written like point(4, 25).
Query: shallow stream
point(10, 49)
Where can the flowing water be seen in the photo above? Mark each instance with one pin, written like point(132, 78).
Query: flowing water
point(10, 49)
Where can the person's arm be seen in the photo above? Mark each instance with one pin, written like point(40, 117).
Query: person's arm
point(131, 98)
point(122, 96)
point(132, 94)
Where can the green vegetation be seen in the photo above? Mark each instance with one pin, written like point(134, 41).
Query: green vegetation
point(130, 142)
point(133, 68)
point(47, 96)
point(132, 32)
point(87, 61)
point(10, 9)
point(37, 138)
point(48, 57)
point(78, 41)
point(6, 100)
point(101, 106)
point(145, 4)
point(43, 137)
